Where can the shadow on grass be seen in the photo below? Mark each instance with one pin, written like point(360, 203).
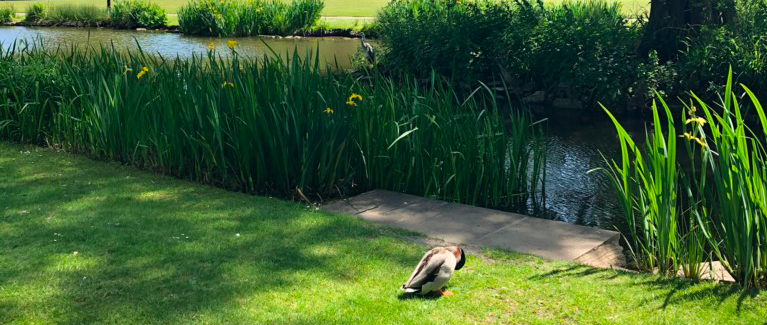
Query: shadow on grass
point(671, 290)
point(94, 242)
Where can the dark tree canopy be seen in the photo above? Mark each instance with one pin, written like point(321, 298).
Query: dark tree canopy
point(672, 20)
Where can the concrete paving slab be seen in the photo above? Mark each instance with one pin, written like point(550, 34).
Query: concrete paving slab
point(463, 224)
point(554, 240)
point(379, 200)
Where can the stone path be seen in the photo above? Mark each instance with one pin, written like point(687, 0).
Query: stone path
point(474, 226)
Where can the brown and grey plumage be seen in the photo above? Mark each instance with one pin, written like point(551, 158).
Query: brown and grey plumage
point(434, 270)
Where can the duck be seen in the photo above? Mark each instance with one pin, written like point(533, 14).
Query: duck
point(434, 271)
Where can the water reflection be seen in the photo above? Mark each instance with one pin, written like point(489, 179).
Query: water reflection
point(572, 193)
point(331, 49)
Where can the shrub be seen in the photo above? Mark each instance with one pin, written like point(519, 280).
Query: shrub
point(455, 39)
point(740, 45)
point(137, 13)
point(6, 14)
point(82, 14)
point(35, 13)
point(587, 48)
point(239, 18)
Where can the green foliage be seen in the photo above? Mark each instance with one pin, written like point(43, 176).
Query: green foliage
point(286, 128)
point(35, 13)
point(585, 47)
point(455, 39)
point(725, 186)
point(137, 13)
point(240, 18)
point(89, 15)
point(6, 14)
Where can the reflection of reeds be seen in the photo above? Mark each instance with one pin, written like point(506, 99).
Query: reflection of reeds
point(724, 209)
point(272, 126)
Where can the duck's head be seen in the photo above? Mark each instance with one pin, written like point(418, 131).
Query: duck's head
point(459, 255)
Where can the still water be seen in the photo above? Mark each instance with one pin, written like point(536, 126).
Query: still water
point(572, 193)
point(170, 45)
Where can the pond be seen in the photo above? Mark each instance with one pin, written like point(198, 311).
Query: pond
point(169, 45)
point(572, 193)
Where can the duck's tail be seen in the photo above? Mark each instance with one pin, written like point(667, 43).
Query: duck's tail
point(410, 290)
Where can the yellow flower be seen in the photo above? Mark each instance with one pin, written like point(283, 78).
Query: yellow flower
point(698, 120)
point(211, 46)
point(686, 135)
point(693, 109)
point(227, 83)
point(231, 44)
point(700, 141)
point(329, 111)
point(351, 101)
point(142, 72)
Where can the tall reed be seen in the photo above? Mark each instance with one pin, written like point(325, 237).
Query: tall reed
point(724, 179)
point(274, 126)
point(246, 18)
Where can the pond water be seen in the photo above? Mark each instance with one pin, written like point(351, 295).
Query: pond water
point(572, 194)
point(169, 45)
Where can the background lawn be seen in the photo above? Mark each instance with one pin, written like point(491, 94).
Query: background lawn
point(356, 8)
point(84, 241)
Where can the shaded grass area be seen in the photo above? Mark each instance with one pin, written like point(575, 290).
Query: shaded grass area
point(356, 8)
point(84, 241)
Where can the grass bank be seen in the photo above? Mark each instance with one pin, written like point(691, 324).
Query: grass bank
point(84, 241)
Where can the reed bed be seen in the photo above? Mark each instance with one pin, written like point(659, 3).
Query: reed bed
point(247, 18)
point(282, 127)
point(6, 14)
point(722, 214)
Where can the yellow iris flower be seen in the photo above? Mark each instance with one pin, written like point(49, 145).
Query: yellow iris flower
point(354, 99)
point(701, 121)
point(142, 73)
point(329, 111)
point(211, 46)
point(227, 83)
point(231, 44)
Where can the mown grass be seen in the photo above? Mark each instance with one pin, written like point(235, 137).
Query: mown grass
point(84, 241)
point(362, 8)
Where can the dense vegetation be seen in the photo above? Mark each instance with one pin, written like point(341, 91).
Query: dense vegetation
point(711, 206)
point(245, 18)
point(137, 13)
point(6, 14)
point(271, 126)
point(584, 52)
point(124, 14)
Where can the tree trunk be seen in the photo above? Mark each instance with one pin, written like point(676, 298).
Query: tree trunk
point(671, 21)
point(109, 4)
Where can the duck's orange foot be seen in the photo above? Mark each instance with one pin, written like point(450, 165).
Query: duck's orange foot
point(446, 293)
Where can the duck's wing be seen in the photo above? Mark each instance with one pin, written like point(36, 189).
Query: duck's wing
point(427, 269)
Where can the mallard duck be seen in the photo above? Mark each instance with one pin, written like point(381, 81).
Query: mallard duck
point(434, 270)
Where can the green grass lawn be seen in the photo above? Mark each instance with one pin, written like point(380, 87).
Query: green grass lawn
point(356, 8)
point(84, 241)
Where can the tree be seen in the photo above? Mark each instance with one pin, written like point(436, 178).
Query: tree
point(671, 21)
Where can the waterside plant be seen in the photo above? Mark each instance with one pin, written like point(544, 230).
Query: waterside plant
point(721, 214)
point(282, 127)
